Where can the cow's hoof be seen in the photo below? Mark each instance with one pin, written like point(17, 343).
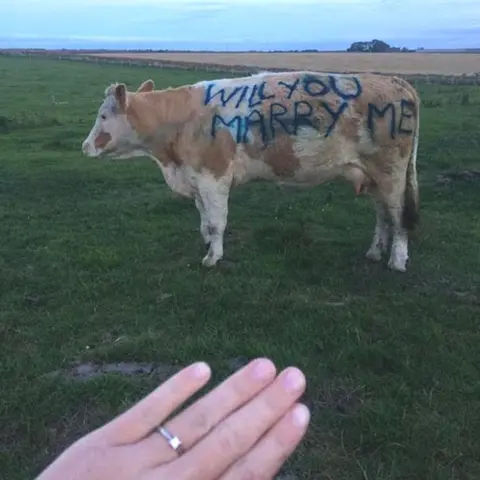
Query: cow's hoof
point(209, 261)
point(374, 255)
point(398, 266)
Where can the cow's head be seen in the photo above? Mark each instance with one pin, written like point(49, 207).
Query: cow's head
point(112, 134)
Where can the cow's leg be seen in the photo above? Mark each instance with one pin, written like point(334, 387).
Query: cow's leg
point(214, 196)
point(204, 230)
point(399, 252)
point(392, 190)
point(381, 234)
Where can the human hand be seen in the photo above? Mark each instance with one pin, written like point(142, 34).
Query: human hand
point(244, 428)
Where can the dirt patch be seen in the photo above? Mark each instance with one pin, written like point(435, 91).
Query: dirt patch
point(467, 298)
point(87, 371)
point(27, 121)
point(237, 363)
point(465, 176)
point(345, 399)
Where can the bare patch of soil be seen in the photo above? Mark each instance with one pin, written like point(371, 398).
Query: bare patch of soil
point(86, 371)
point(465, 176)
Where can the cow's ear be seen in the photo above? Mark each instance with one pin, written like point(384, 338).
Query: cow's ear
point(121, 96)
point(146, 86)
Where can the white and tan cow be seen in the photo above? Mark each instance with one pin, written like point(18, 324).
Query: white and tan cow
point(293, 128)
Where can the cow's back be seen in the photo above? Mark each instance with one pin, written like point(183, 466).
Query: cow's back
point(307, 127)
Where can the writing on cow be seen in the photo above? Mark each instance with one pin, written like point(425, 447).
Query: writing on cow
point(272, 110)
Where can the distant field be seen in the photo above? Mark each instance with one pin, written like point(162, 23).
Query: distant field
point(402, 63)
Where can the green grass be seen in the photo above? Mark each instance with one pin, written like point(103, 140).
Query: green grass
point(99, 261)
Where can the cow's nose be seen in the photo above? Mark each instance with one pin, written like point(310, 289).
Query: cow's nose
point(85, 147)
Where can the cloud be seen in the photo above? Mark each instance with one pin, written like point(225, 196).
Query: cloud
point(312, 22)
point(159, 4)
point(100, 38)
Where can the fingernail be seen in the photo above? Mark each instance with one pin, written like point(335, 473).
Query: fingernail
point(200, 370)
point(293, 380)
point(263, 369)
point(300, 415)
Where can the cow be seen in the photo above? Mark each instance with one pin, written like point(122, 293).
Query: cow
point(300, 128)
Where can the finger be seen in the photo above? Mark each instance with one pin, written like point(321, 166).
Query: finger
point(137, 422)
point(233, 437)
point(272, 451)
point(198, 419)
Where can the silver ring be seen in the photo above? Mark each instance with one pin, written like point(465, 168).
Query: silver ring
point(174, 442)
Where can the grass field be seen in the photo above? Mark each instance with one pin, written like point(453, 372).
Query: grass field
point(100, 262)
point(402, 63)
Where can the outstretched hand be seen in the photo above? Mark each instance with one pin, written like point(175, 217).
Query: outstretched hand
point(245, 428)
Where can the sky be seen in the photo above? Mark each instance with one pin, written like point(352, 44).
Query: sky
point(238, 24)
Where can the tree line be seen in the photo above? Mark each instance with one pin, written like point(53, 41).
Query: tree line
point(376, 46)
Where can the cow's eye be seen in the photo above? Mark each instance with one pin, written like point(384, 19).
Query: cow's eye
point(103, 117)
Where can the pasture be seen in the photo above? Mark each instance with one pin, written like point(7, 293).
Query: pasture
point(101, 263)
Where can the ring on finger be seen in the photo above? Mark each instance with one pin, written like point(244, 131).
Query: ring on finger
point(174, 442)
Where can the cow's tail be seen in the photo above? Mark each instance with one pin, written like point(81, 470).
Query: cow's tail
point(411, 206)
